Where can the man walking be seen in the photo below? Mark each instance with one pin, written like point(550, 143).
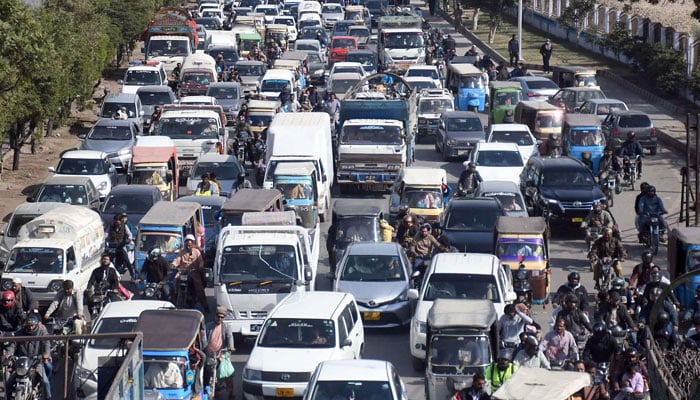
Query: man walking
point(546, 51)
point(513, 50)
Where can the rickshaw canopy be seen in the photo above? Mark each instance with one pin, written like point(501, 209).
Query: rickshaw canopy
point(448, 313)
point(521, 225)
point(250, 200)
point(182, 328)
point(542, 384)
point(170, 213)
point(505, 85)
point(423, 176)
point(464, 69)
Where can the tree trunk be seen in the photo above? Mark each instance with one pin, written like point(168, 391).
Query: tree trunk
point(492, 32)
point(49, 125)
point(475, 22)
point(16, 143)
point(32, 131)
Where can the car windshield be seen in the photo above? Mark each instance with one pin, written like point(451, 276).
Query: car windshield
point(471, 82)
point(548, 120)
point(481, 219)
point(422, 198)
point(269, 11)
point(403, 40)
point(314, 58)
point(343, 44)
point(259, 120)
point(461, 286)
point(109, 109)
point(368, 268)
point(571, 177)
point(81, 166)
point(154, 98)
point(306, 47)
point(371, 134)
point(168, 48)
point(538, 85)
point(102, 132)
point(428, 73)
point(499, 158)
point(520, 249)
point(364, 59)
point(334, 390)
point(634, 121)
point(210, 23)
point(223, 92)
point(189, 128)
point(273, 85)
point(607, 108)
point(251, 69)
point(18, 221)
point(309, 22)
point(167, 243)
point(259, 263)
point(451, 354)
point(70, 194)
point(164, 372)
point(196, 78)
point(509, 201)
point(359, 32)
point(36, 260)
point(129, 204)
point(464, 124)
point(417, 86)
point(521, 138)
point(347, 68)
point(230, 56)
point(342, 85)
point(587, 137)
point(284, 21)
point(434, 106)
point(142, 78)
point(508, 98)
point(112, 325)
point(223, 171)
point(297, 333)
point(357, 229)
point(331, 9)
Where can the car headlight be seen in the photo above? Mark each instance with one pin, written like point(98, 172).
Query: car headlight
point(548, 200)
point(124, 152)
point(85, 374)
point(451, 142)
point(6, 284)
point(234, 108)
point(102, 185)
point(318, 72)
point(419, 326)
point(403, 296)
point(252, 374)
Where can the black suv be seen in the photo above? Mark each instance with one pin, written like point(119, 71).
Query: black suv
point(469, 223)
point(563, 188)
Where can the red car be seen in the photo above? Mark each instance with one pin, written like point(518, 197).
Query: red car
point(340, 46)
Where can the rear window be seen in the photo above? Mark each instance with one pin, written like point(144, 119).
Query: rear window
point(540, 84)
point(634, 121)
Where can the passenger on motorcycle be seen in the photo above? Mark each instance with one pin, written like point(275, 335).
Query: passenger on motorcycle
point(468, 180)
point(67, 305)
point(559, 344)
point(531, 356)
point(598, 218)
point(627, 295)
point(577, 321)
point(615, 313)
point(500, 370)
point(609, 163)
point(156, 269)
point(190, 259)
point(652, 205)
point(512, 323)
point(641, 273)
point(601, 347)
point(645, 313)
point(105, 277)
point(33, 348)
point(474, 392)
point(643, 188)
point(423, 247)
point(631, 384)
point(663, 332)
point(11, 315)
point(23, 295)
point(406, 232)
point(241, 183)
point(573, 286)
point(445, 246)
point(629, 359)
point(693, 310)
point(656, 279)
point(606, 247)
point(631, 148)
point(119, 237)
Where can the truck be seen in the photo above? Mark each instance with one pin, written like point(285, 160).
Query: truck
point(377, 134)
point(302, 137)
point(259, 263)
point(65, 243)
point(400, 42)
point(299, 185)
point(171, 36)
point(195, 130)
point(431, 104)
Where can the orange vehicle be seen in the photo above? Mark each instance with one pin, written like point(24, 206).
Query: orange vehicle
point(340, 46)
point(155, 163)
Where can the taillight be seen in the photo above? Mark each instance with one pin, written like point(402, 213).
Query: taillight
point(616, 132)
point(533, 95)
point(653, 132)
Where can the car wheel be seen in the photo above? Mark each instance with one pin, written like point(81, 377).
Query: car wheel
point(445, 157)
point(418, 364)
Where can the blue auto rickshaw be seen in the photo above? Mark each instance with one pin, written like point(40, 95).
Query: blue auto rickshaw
point(581, 133)
point(466, 82)
point(171, 361)
point(211, 210)
point(298, 183)
point(684, 257)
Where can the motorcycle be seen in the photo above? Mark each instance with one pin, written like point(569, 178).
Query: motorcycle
point(522, 287)
point(609, 186)
point(650, 234)
point(607, 273)
point(182, 299)
point(592, 234)
point(153, 291)
point(629, 171)
point(28, 383)
point(602, 374)
point(99, 299)
point(63, 328)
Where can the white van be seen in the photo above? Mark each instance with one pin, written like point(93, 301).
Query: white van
point(303, 330)
point(457, 275)
point(22, 214)
point(294, 137)
point(309, 7)
point(274, 81)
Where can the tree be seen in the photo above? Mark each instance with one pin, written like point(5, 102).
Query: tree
point(495, 9)
point(618, 40)
point(574, 16)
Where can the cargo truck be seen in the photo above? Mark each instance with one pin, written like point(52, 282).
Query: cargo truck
point(400, 43)
point(171, 36)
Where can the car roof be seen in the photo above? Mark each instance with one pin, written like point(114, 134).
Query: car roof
point(36, 208)
point(556, 162)
point(134, 190)
point(114, 122)
point(509, 127)
point(430, 67)
point(363, 52)
point(312, 305)
point(225, 84)
point(153, 89)
point(132, 308)
point(345, 75)
point(460, 114)
point(498, 186)
point(216, 157)
point(120, 97)
point(628, 112)
point(531, 78)
point(498, 146)
point(67, 180)
point(374, 248)
point(349, 208)
point(84, 154)
point(604, 101)
point(360, 370)
point(580, 89)
point(475, 263)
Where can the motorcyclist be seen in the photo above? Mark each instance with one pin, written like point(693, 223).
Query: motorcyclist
point(469, 179)
point(559, 344)
point(641, 273)
point(190, 259)
point(601, 347)
point(615, 313)
point(155, 118)
point(156, 269)
point(445, 246)
point(652, 205)
point(241, 183)
point(423, 246)
point(220, 66)
point(663, 332)
point(656, 280)
point(500, 370)
point(631, 149)
point(68, 304)
point(586, 160)
point(448, 44)
point(627, 295)
point(608, 164)
point(11, 315)
point(23, 295)
point(598, 218)
point(606, 247)
point(285, 95)
point(512, 323)
point(643, 188)
point(531, 356)
point(629, 359)
point(573, 286)
point(119, 237)
point(33, 348)
point(645, 314)
point(406, 232)
point(577, 322)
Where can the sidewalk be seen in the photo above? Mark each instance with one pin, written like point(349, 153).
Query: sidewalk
point(670, 125)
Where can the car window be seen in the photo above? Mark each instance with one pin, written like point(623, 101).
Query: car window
point(472, 219)
point(464, 124)
point(587, 108)
point(570, 177)
point(342, 329)
point(369, 268)
point(540, 85)
point(521, 138)
point(499, 158)
point(634, 121)
point(298, 333)
point(462, 286)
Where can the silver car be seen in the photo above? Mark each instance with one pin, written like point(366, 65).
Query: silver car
point(536, 88)
point(507, 193)
point(378, 275)
point(114, 137)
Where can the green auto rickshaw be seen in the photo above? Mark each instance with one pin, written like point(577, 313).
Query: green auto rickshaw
point(504, 96)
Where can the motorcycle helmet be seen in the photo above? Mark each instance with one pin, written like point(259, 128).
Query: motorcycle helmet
point(154, 253)
point(531, 345)
point(651, 189)
point(597, 207)
point(618, 332)
point(8, 299)
point(504, 354)
point(631, 134)
point(599, 329)
point(663, 318)
point(571, 300)
point(630, 352)
point(618, 283)
point(574, 278)
point(644, 187)
point(647, 257)
point(31, 324)
point(655, 276)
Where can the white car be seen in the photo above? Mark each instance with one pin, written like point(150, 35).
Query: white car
point(91, 163)
point(428, 71)
point(418, 83)
point(147, 73)
point(498, 161)
point(340, 82)
point(347, 66)
point(270, 10)
point(288, 20)
point(457, 275)
point(199, 100)
point(332, 13)
point(515, 133)
point(349, 379)
point(117, 317)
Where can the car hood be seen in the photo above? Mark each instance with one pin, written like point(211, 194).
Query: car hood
point(571, 194)
point(466, 135)
point(228, 103)
point(250, 80)
point(288, 359)
point(148, 111)
point(107, 146)
point(379, 292)
point(471, 242)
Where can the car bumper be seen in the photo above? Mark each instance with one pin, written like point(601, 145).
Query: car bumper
point(248, 327)
point(417, 344)
point(367, 177)
point(386, 316)
point(256, 390)
point(457, 150)
point(571, 216)
point(120, 162)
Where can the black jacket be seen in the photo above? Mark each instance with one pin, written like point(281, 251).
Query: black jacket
point(156, 271)
point(600, 349)
point(11, 320)
point(107, 274)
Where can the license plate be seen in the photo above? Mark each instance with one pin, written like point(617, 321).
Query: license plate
point(255, 328)
point(372, 315)
point(285, 392)
point(576, 219)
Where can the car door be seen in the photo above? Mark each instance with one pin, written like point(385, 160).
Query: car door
point(357, 332)
point(93, 196)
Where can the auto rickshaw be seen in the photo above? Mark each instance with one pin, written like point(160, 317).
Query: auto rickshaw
point(574, 76)
point(461, 339)
point(299, 184)
point(581, 133)
point(466, 82)
point(171, 352)
point(683, 257)
point(351, 223)
point(154, 163)
point(246, 42)
point(419, 188)
point(544, 384)
point(260, 114)
point(543, 119)
point(278, 33)
point(522, 244)
point(249, 200)
point(504, 96)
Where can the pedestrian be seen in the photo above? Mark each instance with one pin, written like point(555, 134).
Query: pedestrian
point(546, 51)
point(503, 73)
point(458, 16)
point(431, 6)
point(513, 50)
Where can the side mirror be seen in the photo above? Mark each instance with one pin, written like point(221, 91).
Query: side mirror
point(142, 113)
point(168, 177)
point(31, 199)
point(52, 169)
point(511, 296)
point(308, 274)
point(347, 343)
point(82, 136)
point(120, 81)
point(209, 277)
point(413, 293)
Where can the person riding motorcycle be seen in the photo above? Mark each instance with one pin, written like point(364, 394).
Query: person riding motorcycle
point(627, 295)
point(531, 356)
point(468, 180)
point(423, 247)
point(105, 277)
point(577, 322)
point(68, 304)
point(156, 269)
point(598, 218)
point(406, 232)
point(601, 347)
point(285, 95)
point(641, 273)
point(608, 164)
point(631, 149)
point(241, 183)
point(652, 205)
point(11, 315)
point(119, 237)
point(190, 260)
point(615, 313)
point(155, 118)
point(656, 281)
point(32, 348)
point(606, 247)
point(573, 286)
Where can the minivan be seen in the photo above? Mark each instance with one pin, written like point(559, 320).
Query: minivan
point(301, 331)
point(131, 101)
point(619, 123)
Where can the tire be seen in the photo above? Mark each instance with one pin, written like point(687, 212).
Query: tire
point(418, 364)
point(653, 151)
point(445, 157)
point(654, 239)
